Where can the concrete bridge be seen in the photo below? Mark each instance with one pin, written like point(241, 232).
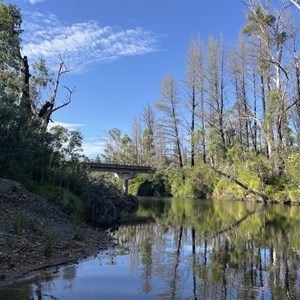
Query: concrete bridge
point(123, 172)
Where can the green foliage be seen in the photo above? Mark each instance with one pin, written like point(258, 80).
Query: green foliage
point(18, 223)
point(78, 233)
point(258, 20)
point(10, 29)
point(151, 185)
point(215, 148)
point(145, 188)
point(119, 149)
point(196, 182)
point(229, 190)
point(293, 168)
point(48, 245)
point(161, 184)
point(67, 200)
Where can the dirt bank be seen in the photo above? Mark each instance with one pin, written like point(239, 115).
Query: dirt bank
point(36, 234)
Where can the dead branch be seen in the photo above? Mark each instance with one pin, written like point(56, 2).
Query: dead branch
point(296, 3)
point(264, 197)
point(70, 93)
point(48, 108)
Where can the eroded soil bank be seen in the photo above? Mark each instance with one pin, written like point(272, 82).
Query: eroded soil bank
point(35, 234)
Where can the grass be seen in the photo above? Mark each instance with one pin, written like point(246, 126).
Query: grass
point(68, 201)
point(18, 223)
point(48, 246)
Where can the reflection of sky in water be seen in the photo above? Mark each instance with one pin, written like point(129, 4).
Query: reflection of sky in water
point(98, 278)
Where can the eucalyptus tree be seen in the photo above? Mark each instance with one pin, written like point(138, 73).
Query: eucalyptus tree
point(215, 76)
point(191, 101)
point(136, 134)
point(112, 145)
point(43, 105)
point(269, 29)
point(201, 88)
point(118, 148)
point(18, 132)
point(295, 63)
point(239, 81)
point(169, 124)
point(148, 135)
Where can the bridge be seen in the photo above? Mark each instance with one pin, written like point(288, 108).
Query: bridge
point(123, 172)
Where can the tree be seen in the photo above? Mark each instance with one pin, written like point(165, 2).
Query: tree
point(25, 143)
point(45, 110)
point(119, 149)
point(269, 30)
point(148, 135)
point(296, 3)
point(191, 101)
point(216, 99)
point(238, 70)
point(169, 123)
point(201, 88)
point(136, 130)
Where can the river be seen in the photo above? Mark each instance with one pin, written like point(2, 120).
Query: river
point(186, 249)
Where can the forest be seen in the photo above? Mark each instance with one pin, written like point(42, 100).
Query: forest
point(231, 125)
point(229, 128)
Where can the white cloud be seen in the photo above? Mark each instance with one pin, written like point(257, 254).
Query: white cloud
point(82, 44)
point(92, 149)
point(69, 126)
point(34, 1)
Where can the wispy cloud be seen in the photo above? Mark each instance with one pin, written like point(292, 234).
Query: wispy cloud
point(34, 1)
point(69, 126)
point(93, 148)
point(82, 44)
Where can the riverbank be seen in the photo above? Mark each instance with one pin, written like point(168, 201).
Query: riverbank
point(35, 234)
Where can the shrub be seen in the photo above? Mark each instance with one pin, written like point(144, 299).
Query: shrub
point(48, 245)
point(18, 223)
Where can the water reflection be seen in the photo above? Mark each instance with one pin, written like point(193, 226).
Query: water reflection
point(187, 249)
point(216, 250)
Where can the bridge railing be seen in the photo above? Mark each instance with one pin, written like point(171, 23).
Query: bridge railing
point(116, 168)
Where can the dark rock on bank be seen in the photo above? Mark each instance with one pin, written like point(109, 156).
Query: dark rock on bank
point(106, 205)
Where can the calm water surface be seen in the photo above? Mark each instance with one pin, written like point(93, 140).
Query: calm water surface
point(186, 249)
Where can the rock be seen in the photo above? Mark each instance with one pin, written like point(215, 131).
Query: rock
point(106, 205)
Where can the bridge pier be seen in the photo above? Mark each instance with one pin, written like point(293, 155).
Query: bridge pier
point(123, 172)
point(125, 177)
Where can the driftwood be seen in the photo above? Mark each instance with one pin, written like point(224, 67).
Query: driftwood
point(264, 197)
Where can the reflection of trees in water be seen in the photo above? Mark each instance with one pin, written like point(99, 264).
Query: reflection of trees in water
point(219, 251)
point(175, 278)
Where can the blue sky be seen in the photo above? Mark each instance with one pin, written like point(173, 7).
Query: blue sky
point(119, 51)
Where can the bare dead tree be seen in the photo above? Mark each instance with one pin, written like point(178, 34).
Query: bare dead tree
point(25, 95)
point(170, 122)
point(48, 108)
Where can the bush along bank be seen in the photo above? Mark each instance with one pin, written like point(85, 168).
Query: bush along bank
point(100, 203)
point(245, 177)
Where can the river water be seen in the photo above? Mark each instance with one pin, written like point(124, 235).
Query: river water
point(186, 249)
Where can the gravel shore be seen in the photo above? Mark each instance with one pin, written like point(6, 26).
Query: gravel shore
point(35, 234)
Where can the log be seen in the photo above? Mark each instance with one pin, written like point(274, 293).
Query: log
point(264, 197)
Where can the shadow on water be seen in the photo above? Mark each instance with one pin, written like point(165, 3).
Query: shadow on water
point(186, 249)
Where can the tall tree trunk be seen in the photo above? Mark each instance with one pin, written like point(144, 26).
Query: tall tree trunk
point(254, 128)
point(25, 96)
